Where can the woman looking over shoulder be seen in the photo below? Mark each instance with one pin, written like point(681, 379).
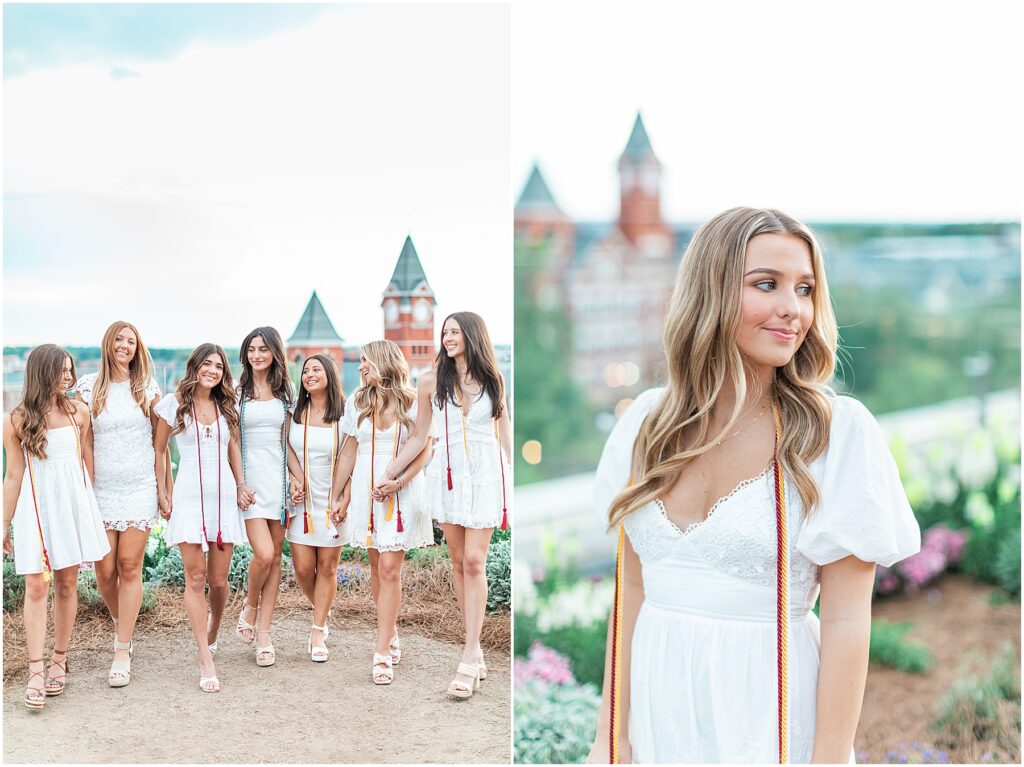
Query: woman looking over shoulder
point(264, 396)
point(749, 484)
point(121, 397)
point(379, 417)
point(48, 495)
point(203, 503)
point(467, 485)
point(314, 450)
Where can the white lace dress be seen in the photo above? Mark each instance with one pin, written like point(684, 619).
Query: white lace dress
point(703, 665)
point(322, 531)
point(417, 528)
point(68, 514)
point(263, 457)
point(195, 502)
point(123, 456)
point(479, 468)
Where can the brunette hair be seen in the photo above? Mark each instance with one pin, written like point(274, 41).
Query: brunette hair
point(481, 363)
point(44, 373)
point(335, 396)
point(223, 394)
point(277, 376)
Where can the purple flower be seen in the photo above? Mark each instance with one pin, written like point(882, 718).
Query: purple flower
point(543, 665)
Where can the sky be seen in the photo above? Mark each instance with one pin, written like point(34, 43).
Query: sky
point(830, 111)
point(199, 170)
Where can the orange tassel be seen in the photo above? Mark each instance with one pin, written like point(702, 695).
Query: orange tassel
point(390, 513)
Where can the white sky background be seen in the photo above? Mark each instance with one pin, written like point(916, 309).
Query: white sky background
point(215, 191)
point(827, 110)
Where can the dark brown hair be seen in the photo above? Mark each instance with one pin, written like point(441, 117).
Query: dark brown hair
point(481, 363)
point(277, 376)
point(44, 371)
point(223, 395)
point(335, 396)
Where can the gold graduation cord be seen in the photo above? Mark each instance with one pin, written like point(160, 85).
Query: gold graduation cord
point(307, 526)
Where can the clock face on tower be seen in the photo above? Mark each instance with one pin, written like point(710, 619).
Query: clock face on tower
point(421, 311)
point(391, 311)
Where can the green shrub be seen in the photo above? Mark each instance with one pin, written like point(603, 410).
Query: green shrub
point(502, 535)
point(14, 586)
point(499, 576)
point(238, 572)
point(554, 724)
point(168, 570)
point(89, 594)
point(1006, 568)
point(427, 556)
point(889, 648)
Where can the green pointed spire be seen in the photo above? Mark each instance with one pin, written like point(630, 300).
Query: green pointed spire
point(314, 326)
point(639, 145)
point(408, 271)
point(536, 193)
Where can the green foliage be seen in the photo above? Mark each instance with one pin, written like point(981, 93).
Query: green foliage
point(89, 594)
point(427, 556)
point(890, 648)
point(1006, 568)
point(992, 553)
point(502, 535)
point(554, 724)
point(984, 710)
point(167, 570)
point(238, 572)
point(499, 576)
point(14, 586)
point(354, 554)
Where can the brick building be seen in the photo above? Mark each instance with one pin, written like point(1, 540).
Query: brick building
point(408, 303)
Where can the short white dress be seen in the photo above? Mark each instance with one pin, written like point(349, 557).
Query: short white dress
point(479, 469)
point(263, 457)
point(123, 456)
point(417, 529)
point(322, 532)
point(190, 508)
point(703, 673)
point(68, 513)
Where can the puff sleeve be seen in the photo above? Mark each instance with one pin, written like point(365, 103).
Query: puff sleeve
point(152, 390)
point(617, 457)
point(84, 387)
point(863, 509)
point(166, 408)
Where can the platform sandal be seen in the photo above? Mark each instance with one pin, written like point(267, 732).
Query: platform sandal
point(459, 689)
point(54, 687)
point(267, 651)
point(121, 671)
point(35, 699)
point(385, 675)
point(318, 654)
point(242, 626)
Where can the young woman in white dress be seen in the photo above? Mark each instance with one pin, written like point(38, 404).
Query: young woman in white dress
point(121, 397)
point(462, 401)
point(707, 629)
point(264, 398)
point(204, 504)
point(48, 495)
point(380, 416)
point(315, 445)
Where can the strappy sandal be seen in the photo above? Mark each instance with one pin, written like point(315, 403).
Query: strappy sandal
point(209, 684)
point(242, 626)
point(268, 651)
point(35, 698)
point(459, 689)
point(395, 648)
point(318, 654)
point(384, 675)
point(121, 671)
point(54, 687)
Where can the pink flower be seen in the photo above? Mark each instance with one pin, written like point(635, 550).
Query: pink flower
point(543, 665)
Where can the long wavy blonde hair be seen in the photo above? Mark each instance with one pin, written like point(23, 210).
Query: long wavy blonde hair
point(393, 385)
point(140, 369)
point(700, 345)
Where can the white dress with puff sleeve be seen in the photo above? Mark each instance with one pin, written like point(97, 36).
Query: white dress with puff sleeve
point(703, 656)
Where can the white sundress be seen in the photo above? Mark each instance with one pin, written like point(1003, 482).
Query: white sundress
point(703, 679)
point(479, 468)
point(68, 514)
point(123, 456)
point(189, 511)
point(324, 532)
point(263, 458)
point(417, 528)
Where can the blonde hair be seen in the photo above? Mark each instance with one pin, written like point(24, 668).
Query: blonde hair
point(140, 369)
point(700, 346)
point(393, 385)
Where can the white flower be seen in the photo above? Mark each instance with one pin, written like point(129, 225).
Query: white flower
point(524, 592)
point(582, 604)
point(944, 488)
point(977, 463)
point(979, 510)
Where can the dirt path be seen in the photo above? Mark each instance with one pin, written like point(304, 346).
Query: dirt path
point(965, 633)
point(293, 712)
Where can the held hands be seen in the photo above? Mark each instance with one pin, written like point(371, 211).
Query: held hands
point(8, 547)
point(385, 489)
point(297, 491)
point(339, 511)
point(164, 504)
point(245, 497)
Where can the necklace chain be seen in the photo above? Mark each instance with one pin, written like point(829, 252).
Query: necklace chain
point(742, 428)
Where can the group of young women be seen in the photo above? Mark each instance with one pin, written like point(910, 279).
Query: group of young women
point(89, 470)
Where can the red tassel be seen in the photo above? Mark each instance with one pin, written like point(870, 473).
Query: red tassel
point(504, 519)
point(449, 477)
point(305, 522)
point(401, 527)
point(220, 541)
point(372, 528)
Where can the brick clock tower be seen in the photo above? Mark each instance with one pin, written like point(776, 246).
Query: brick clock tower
point(640, 196)
point(408, 305)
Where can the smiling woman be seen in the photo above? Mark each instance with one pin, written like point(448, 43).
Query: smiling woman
point(809, 498)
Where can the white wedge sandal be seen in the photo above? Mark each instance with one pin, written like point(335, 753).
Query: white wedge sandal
point(318, 654)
